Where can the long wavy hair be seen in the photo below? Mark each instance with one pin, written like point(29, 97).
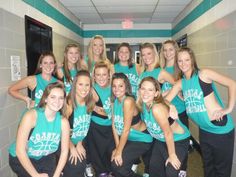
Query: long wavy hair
point(194, 65)
point(65, 62)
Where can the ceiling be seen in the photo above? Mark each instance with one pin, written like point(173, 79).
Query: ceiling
point(116, 11)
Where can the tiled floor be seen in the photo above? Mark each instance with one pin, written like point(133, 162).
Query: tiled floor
point(195, 167)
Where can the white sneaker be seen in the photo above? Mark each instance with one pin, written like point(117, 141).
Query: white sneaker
point(182, 173)
point(89, 170)
point(134, 168)
point(145, 175)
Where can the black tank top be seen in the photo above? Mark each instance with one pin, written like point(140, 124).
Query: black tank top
point(206, 87)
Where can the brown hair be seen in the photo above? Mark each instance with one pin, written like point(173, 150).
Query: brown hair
point(158, 99)
point(194, 65)
point(89, 98)
point(41, 57)
point(46, 93)
point(65, 62)
point(124, 44)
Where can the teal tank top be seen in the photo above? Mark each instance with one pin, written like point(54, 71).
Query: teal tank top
point(154, 73)
point(40, 87)
point(132, 75)
point(68, 85)
point(134, 135)
point(104, 94)
point(45, 137)
point(81, 123)
point(177, 102)
point(196, 109)
point(155, 130)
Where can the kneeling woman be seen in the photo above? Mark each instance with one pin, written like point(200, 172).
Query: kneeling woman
point(80, 106)
point(39, 134)
point(171, 136)
point(129, 131)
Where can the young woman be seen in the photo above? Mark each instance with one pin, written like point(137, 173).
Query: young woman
point(100, 139)
point(171, 136)
point(150, 64)
point(124, 64)
point(129, 131)
point(46, 68)
point(205, 108)
point(71, 65)
point(39, 135)
point(80, 107)
point(96, 52)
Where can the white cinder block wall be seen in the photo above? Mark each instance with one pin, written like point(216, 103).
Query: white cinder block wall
point(12, 42)
point(213, 38)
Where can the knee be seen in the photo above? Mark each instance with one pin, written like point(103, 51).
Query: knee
point(119, 170)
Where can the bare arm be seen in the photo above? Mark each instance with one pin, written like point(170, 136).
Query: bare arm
point(161, 115)
point(27, 82)
point(208, 75)
point(128, 107)
point(65, 137)
point(164, 76)
point(27, 123)
point(174, 91)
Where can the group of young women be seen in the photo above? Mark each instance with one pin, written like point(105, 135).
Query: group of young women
point(110, 116)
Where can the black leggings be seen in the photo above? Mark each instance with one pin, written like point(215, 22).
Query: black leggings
point(46, 164)
point(217, 153)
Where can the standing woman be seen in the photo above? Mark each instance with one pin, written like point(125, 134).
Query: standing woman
point(44, 75)
point(96, 52)
point(129, 131)
point(206, 109)
point(39, 135)
point(151, 64)
point(71, 65)
point(80, 107)
point(168, 56)
point(100, 139)
point(171, 136)
point(124, 64)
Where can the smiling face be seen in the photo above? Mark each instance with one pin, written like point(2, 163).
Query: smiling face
point(73, 55)
point(47, 65)
point(148, 92)
point(148, 56)
point(118, 88)
point(169, 52)
point(101, 76)
point(124, 54)
point(82, 87)
point(55, 99)
point(185, 63)
point(97, 47)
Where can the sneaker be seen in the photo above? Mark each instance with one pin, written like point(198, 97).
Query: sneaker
point(89, 171)
point(103, 174)
point(134, 168)
point(182, 173)
point(145, 175)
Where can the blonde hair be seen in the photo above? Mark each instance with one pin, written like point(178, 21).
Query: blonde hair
point(103, 56)
point(102, 64)
point(153, 48)
point(162, 57)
